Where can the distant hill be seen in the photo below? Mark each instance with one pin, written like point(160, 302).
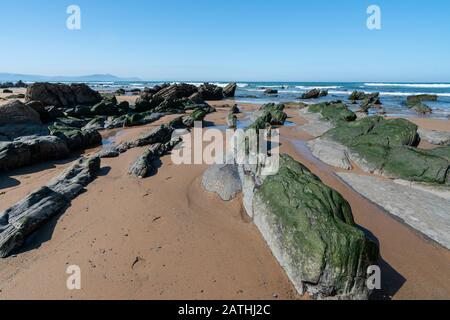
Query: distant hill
point(88, 78)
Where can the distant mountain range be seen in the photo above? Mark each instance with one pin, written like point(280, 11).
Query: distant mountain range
point(13, 77)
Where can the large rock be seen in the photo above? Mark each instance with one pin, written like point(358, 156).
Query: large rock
point(230, 90)
point(16, 112)
point(210, 92)
point(177, 91)
point(311, 231)
point(415, 99)
point(31, 150)
point(314, 94)
point(75, 138)
point(224, 180)
point(333, 111)
point(331, 153)
point(419, 208)
point(26, 216)
point(62, 95)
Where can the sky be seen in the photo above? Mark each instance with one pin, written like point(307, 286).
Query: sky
point(232, 40)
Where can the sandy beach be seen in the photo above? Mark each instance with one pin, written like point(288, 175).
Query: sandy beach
point(165, 237)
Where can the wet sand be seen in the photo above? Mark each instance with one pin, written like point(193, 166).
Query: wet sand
point(164, 237)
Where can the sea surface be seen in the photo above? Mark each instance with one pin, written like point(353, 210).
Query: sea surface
point(393, 95)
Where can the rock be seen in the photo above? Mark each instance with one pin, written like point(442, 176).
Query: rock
point(440, 138)
point(333, 111)
point(62, 95)
point(196, 98)
point(331, 153)
point(316, 125)
point(357, 95)
point(421, 209)
point(311, 94)
point(417, 99)
point(143, 167)
point(370, 101)
point(120, 92)
point(7, 91)
point(26, 216)
point(388, 147)
point(230, 90)
point(232, 120)
point(16, 112)
point(311, 231)
point(105, 108)
point(177, 91)
point(16, 96)
point(75, 138)
point(139, 119)
point(14, 131)
point(53, 113)
point(421, 108)
point(235, 109)
point(210, 92)
point(20, 84)
point(31, 150)
point(98, 123)
point(224, 180)
point(277, 115)
point(188, 121)
point(271, 91)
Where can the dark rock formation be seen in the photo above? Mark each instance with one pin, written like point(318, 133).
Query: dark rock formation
point(62, 95)
point(210, 92)
point(177, 91)
point(16, 112)
point(333, 111)
point(230, 90)
point(314, 94)
point(271, 91)
point(26, 216)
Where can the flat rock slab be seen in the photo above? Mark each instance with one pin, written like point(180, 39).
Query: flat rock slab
point(315, 126)
point(330, 152)
point(440, 138)
point(422, 210)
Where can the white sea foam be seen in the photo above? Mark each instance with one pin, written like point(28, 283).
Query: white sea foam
point(394, 94)
point(410, 85)
point(317, 87)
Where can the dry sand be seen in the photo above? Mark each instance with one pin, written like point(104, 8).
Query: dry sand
point(164, 237)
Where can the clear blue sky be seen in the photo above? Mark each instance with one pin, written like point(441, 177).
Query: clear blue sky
point(248, 40)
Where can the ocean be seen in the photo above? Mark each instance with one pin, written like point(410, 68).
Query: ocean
point(393, 95)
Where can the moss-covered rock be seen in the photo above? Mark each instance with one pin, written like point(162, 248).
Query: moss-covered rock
point(277, 114)
point(311, 230)
point(333, 111)
point(413, 100)
point(75, 138)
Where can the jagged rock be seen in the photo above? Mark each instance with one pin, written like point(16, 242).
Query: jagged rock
point(331, 153)
point(62, 95)
point(7, 91)
point(75, 138)
point(224, 180)
point(105, 108)
point(235, 109)
point(271, 91)
point(30, 150)
point(177, 91)
point(310, 230)
point(210, 92)
point(440, 138)
point(357, 95)
point(143, 167)
point(311, 94)
point(230, 90)
point(16, 112)
point(189, 120)
point(26, 216)
point(139, 119)
point(277, 115)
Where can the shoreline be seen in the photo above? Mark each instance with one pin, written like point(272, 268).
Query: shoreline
point(100, 231)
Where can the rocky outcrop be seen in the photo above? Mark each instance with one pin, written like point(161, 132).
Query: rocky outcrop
point(334, 111)
point(26, 216)
point(143, 166)
point(416, 104)
point(440, 138)
point(316, 125)
point(310, 230)
point(230, 90)
point(275, 112)
point(331, 153)
point(209, 91)
point(75, 138)
point(26, 151)
point(314, 94)
point(271, 91)
point(16, 112)
point(224, 180)
point(421, 209)
point(177, 91)
point(421, 108)
point(62, 95)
